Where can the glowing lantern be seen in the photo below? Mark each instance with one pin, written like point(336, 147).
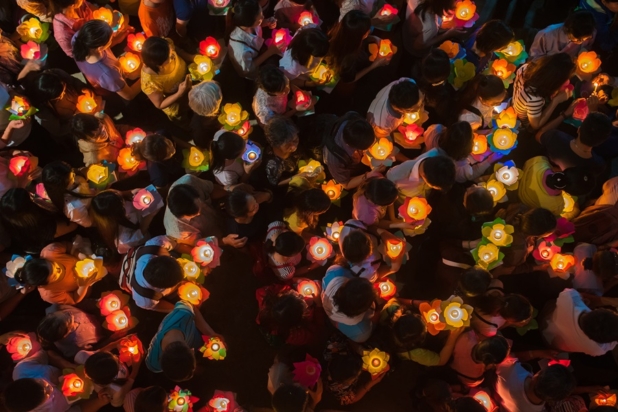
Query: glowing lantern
point(488, 254)
point(191, 292)
point(19, 347)
point(431, 316)
point(513, 49)
point(190, 269)
point(308, 288)
point(333, 231)
point(210, 47)
point(545, 251)
point(387, 289)
point(465, 10)
point(411, 132)
point(85, 268)
point(386, 48)
point(75, 384)
point(97, 173)
point(507, 119)
point(201, 68)
point(602, 399)
point(19, 106)
point(503, 140)
point(135, 41)
point(214, 348)
point(143, 199)
point(507, 175)
point(129, 62)
point(319, 249)
point(305, 18)
point(127, 161)
point(86, 102)
point(130, 350)
point(303, 100)
point(411, 117)
point(388, 10)
point(414, 209)
point(19, 165)
point(455, 313)
point(381, 149)
point(312, 168)
point(580, 111)
point(33, 29)
point(206, 252)
point(233, 115)
point(332, 189)
point(498, 233)
point(394, 248)
point(245, 129)
point(196, 157)
point(72, 385)
point(562, 263)
point(252, 152)
point(219, 4)
point(569, 203)
point(502, 68)
point(103, 14)
point(375, 362)
point(588, 62)
point(496, 188)
point(322, 74)
point(484, 399)
point(451, 48)
point(134, 136)
point(112, 301)
point(307, 373)
point(281, 36)
point(181, 400)
point(31, 50)
point(219, 404)
point(119, 319)
point(479, 144)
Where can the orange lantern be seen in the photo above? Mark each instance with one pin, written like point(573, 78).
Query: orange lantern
point(394, 248)
point(86, 102)
point(604, 400)
point(135, 41)
point(308, 288)
point(190, 292)
point(484, 399)
point(305, 18)
point(414, 209)
point(130, 350)
point(319, 249)
point(386, 48)
point(381, 149)
point(210, 47)
point(72, 385)
point(332, 189)
point(562, 263)
point(387, 289)
point(479, 145)
point(129, 62)
point(464, 10)
point(19, 347)
point(118, 319)
point(388, 10)
point(103, 14)
point(127, 161)
point(588, 62)
point(112, 302)
point(134, 136)
point(431, 316)
point(502, 68)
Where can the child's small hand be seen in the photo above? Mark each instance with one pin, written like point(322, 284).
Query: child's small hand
point(270, 22)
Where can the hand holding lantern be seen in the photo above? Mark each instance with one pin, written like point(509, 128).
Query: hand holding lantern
point(252, 152)
point(129, 62)
point(21, 346)
point(86, 103)
point(414, 209)
point(588, 62)
point(130, 350)
point(192, 293)
point(207, 252)
point(431, 315)
point(375, 362)
point(319, 249)
point(33, 29)
point(214, 348)
point(386, 289)
point(119, 320)
point(135, 41)
point(394, 248)
point(305, 18)
point(75, 384)
point(332, 189)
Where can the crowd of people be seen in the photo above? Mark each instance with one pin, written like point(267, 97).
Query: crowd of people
point(402, 185)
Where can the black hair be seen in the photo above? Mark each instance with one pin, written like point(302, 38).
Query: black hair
point(484, 86)
point(52, 328)
point(409, 330)
point(43, 87)
point(163, 272)
point(178, 361)
point(457, 140)
point(237, 203)
point(474, 282)
point(356, 246)
point(290, 398)
point(605, 264)
point(92, 35)
point(271, 79)
point(439, 171)
point(436, 66)
point(545, 75)
point(491, 351)
point(84, 126)
point(108, 214)
point(494, 35)
point(580, 24)
point(516, 308)
point(479, 202)
point(282, 313)
point(380, 191)
point(56, 177)
point(181, 200)
point(244, 13)
point(346, 40)
point(309, 204)
point(102, 367)
point(280, 130)
point(23, 395)
point(537, 222)
point(554, 383)
point(467, 404)
point(357, 133)
point(228, 146)
point(153, 147)
point(344, 366)
point(595, 129)
point(404, 95)
point(151, 399)
point(35, 272)
point(437, 7)
point(354, 297)
point(307, 43)
point(600, 325)
point(576, 181)
point(155, 52)
point(286, 244)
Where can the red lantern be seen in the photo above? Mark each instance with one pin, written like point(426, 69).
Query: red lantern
point(388, 10)
point(210, 47)
point(387, 289)
point(136, 41)
point(130, 350)
point(19, 165)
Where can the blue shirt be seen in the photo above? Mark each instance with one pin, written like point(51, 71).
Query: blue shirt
point(186, 8)
point(604, 18)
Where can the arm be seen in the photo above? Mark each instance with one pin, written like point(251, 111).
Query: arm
point(201, 323)
point(271, 51)
point(537, 122)
point(553, 124)
point(447, 350)
point(129, 92)
point(181, 27)
point(163, 306)
point(376, 63)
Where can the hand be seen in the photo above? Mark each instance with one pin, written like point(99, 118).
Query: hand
point(456, 32)
point(105, 395)
point(569, 111)
point(234, 241)
point(316, 394)
point(603, 79)
point(185, 86)
point(474, 243)
point(34, 65)
point(381, 61)
point(594, 102)
point(563, 96)
point(276, 48)
point(494, 157)
point(16, 124)
point(377, 379)
point(455, 333)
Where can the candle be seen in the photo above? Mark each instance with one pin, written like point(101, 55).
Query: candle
point(411, 117)
point(190, 269)
point(97, 173)
point(143, 199)
point(411, 132)
point(488, 254)
point(33, 29)
point(504, 139)
point(484, 399)
point(332, 189)
point(136, 41)
point(431, 316)
point(562, 263)
point(134, 136)
point(190, 292)
point(496, 188)
point(214, 348)
point(388, 10)
point(319, 249)
point(381, 149)
point(210, 47)
point(19, 347)
point(219, 404)
point(507, 175)
point(308, 288)
point(545, 251)
point(31, 50)
point(129, 62)
point(375, 361)
point(588, 62)
point(479, 144)
point(502, 68)
point(19, 165)
point(252, 152)
point(394, 248)
point(387, 289)
point(245, 129)
point(603, 399)
point(85, 268)
point(19, 106)
point(333, 231)
point(414, 209)
point(305, 18)
point(386, 48)
point(127, 161)
point(117, 320)
point(86, 102)
point(464, 10)
point(180, 400)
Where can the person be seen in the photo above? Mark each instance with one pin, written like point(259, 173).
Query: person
point(472, 357)
point(478, 99)
point(12, 132)
point(492, 36)
point(91, 51)
point(539, 187)
point(604, 13)
point(163, 162)
point(287, 14)
point(246, 38)
point(392, 103)
point(156, 17)
point(283, 249)
point(344, 145)
point(67, 192)
point(417, 177)
point(575, 34)
point(172, 349)
point(574, 327)
point(433, 75)
point(538, 81)
point(565, 152)
point(306, 208)
point(596, 269)
point(304, 55)
point(150, 399)
point(246, 218)
point(164, 78)
point(109, 375)
point(98, 139)
point(205, 100)
point(520, 390)
point(271, 96)
point(226, 163)
point(185, 10)
point(496, 311)
point(372, 200)
point(295, 398)
point(349, 302)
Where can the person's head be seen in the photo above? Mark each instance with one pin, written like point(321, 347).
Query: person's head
point(151, 399)
point(58, 177)
point(437, 7)
point(284, 313)
point(241, 204)
point(538, 222)
point(273, 81)
point(553, 383)
point(154, 148)
point(287, 244)
point(516, 309)
point(493, 35)
point(178, 361)
point(605, 264)
point(108, 214)
point(381, 191)
point(88, 127)
point(345, 368)
point(467, 404)
point(282, 135)
point(436, 67)
point(54, 327)
point(612, 5)
point(183, 201)
point(17, 210)
point(546, 75)
point(228, 146)
point(358, 134)
point(600, 325)
point(26, 394)
point(155, 53)
point(290, 398)
point(485, 88)
point(409, 330)
point(356, 246)
point(95, 35)
point(438, 172)
point(354, 297)
point(48, 86)
point(346, 39)
point(595, 129)
point(311, 203)
point(579, 26)
point(576, 181)
point(58, 6)
point(247, 13)
point(474, 282)
point(308, 44)
point(163, 272)
point(405, 96)
point(205, 98)
point(491, 351)
point(478, 201)
point(457, 140)
point(102, 367)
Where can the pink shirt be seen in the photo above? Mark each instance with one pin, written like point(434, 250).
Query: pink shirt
point(65, 27)
point(367, 212)
point(469, 372)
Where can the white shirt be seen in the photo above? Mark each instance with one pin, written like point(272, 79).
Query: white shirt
point(140, 265)
point(553, 40)
point(476, 121)
point(585, 278)
point(366, 6)
point(510, 386)
point(293, 68)
point(563, 331)
point(407, 178)
point(368, 268)
point(130, 238)
point(230, 175)
point(381, 115)
point(266, 106)
point(245, 47)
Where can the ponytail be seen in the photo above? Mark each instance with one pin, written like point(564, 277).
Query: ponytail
point(227, 146)
point(92, 35)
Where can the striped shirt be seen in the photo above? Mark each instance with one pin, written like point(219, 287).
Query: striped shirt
point(525, 103)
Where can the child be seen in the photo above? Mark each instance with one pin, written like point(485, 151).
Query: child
point(226, 163)
point(478, 99)
point(371, 201)
point(577, 33)
point(151, 399)
point(156, 17)
point(307, 206)
point(389, 107)
point(417, 177)
point(163, 163)
point(303, 55)
point(98, 139)
point(491, 37)
point(287, 13)
point(283, 249)
point(472, 358)
point(495, 311)
point(271, 96)
point(68, 192)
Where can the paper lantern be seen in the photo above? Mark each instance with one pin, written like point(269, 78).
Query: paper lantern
point(252, 152)
point(484, 399)
point(479, 144)
point(488, 254)
point(498, 233)
point(19, 165)
point(322, 74)
point(143, 199)
point(431, 316)
point(86, 102)
point(411, 117)
point(135, 41)
point(333, 231)
point(245, 129)
point(127, 161)
point(506, 119)
point(85, 269)
point(545, 251)
point(33, 29)
point(319, 249)
point(602, 399)
point(451, 48)
point(414, 209)
point(411, 132)
point(219, 4)
point(72, 385)
point(219, 404)
point(569, 203)
point(388, 10)
point(134, 136)
point(210, 47)
point(129, 62)
point(117, 320)
point(394, 248)
point(588, 62)
point(375, 361)
point(387, 289)
point(103, 14)
point(381, 149)
point(302, 100)
point(97, 173)
point(214, 348)
point(562, 263)
point(19, 106)
point(502, 68)
point(513, 49)
point(386, 48)
point(181, 400)
point(507, 175)
point(75, 384)
point(465, 10)
point(190, 269)
point(332, 189)
point(201, 68)
point(232, 116)
point(190, 292)
point(504, 139)
point(196, 157)
point(130, 350)
point(580, 111)
point(19, 347)
point(31, 50)
point(307, 373)
point(313, 167)
point(206, 252)
point(496, 188)
point(308, 288)
point(281, 37)
point(305, 18)
point(455, 313)
point(112, 302)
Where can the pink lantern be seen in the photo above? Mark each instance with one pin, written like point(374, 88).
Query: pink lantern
point(19, 165)
point(581, 110)
point(143, 199)
point(319, 249)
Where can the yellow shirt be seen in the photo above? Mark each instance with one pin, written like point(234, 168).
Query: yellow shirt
point(532, 191)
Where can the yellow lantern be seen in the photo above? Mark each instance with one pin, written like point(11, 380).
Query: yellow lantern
point(569, 203)
point(129, 62)
point(496, 188)
point(97, 173)
point(464, 10)
point(332, 189)
point(588, 62)
point(479, 144)
point(488, 254)
point(85, 268)
point(394, 248)
point(562, 263)
point(375, 361)
point(381, 149)
point(507, 119)
point(504, 139)
point(190, 292)
point(190, 269)
point(196, 157)
point(499, 234)
point(513, 49)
